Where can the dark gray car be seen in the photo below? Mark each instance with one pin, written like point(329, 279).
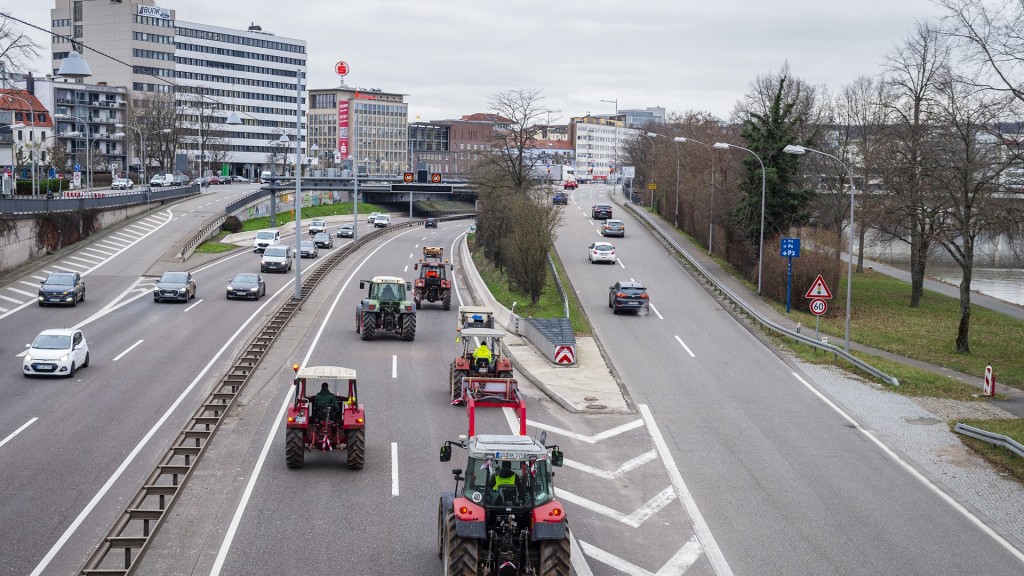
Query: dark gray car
point(62, 288)
point(246, 285)
point(178, 286)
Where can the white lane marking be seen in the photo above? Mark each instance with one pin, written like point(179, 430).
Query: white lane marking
point(22, 291)
point(124, 237)
point(627, 466)
point(579, 562)
point(74, 265)
point(26, 283)
point(18, 431)
point(513, 423)
point(416, 246)
point(660, 317)
point(455, 284)
point(635, 518)
point(394, 468)
point(229, 536)
point(2, 310)
point(142, 228)
point(406, 268)
point(412, 255)
point(197, 303)
point(40, 278)
point(9, 299)
point(127, 350)
point(676, 565)
point(621, 264)
point(917, 475)
point(111, 245)
point(90, 260)
point(700, 526)
point(394, 366)
point(683, 344)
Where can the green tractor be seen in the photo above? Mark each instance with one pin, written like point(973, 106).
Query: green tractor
point(385, 309)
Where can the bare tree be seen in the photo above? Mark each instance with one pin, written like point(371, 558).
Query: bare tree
point(17, 50)
point(991, 33)
point(971, 155)
point(912, 209)
point(151, 114)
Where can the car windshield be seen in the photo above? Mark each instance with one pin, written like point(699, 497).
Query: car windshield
point(321, 236)
point(277, 251)
point(307, 244)
point(604, 247)
point(346, 226)
point(61, 280)
point(174, 277)
point(613, 223)
point(264, 235)
point(534, 482)
point(244, 279)
point(52, 342)
point(390, 292)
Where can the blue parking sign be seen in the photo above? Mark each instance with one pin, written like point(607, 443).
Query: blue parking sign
point(77, 168)
point(789, 247)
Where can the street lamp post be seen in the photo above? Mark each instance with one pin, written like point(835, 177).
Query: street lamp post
point(142, 147)
point(760, 250)
point(799, 150)
point(615, 137)
point(711, 209)
point(654, 190)
point(31, 135)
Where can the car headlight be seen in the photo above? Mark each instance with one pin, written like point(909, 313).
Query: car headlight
point(28, 358)
point(254, 289)
point(230, 287)
point(156, 290)
point(64, 358)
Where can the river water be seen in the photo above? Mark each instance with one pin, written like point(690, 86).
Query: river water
point(1002, 283)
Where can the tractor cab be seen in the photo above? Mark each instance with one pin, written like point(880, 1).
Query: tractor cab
point(508, 472)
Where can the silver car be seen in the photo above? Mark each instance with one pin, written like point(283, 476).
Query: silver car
point(308, 249)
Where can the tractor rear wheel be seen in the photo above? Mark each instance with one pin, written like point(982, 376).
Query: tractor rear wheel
point(555, 557)
point(457, 377)
point(356, 448)
point(461, 555)
point(369, 326)
point(408, 327)
point(294, 451)
point(417, 297)
point(447, 300)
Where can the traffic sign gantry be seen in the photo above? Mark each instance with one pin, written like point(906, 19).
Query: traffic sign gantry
point(818, 306)
point(819, 289)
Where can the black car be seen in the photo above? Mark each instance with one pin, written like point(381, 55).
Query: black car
point(175, 286)
point(601, 211)
point(346, 231)
point(247, 285)
point(430, 223)
point(627, 295)
point(62, 288)
point(323, 240)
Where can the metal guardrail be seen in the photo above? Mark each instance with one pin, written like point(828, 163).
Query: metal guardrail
point(753, 312)
point(77, 201)
point(558, 283)
point(990, 437)
point(134, 529)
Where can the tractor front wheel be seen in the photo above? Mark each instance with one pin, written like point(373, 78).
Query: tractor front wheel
point(461, 555)
point(447, 300)
point(408, 327)
point(369, 326)
point(294, 451)
point(356, 449)
point(555, 557)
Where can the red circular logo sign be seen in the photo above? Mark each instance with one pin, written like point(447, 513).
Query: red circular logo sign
point(341, 68)
point(818, 306)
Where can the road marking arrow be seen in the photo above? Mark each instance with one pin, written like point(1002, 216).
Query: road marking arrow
point(677, 565)
point(633, 519)
point(626, 467)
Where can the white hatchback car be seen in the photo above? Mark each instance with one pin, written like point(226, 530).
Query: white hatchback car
point(601, 252)
point(56, 352)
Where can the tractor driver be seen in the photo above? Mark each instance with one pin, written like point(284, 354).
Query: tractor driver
point(507, 484)
point(482, 352)
point(326, 399)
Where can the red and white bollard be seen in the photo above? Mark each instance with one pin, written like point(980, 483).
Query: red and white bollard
point(989, 387)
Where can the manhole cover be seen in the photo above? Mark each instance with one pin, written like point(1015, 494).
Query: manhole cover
point(923, 421)
point(589, 398)
point(597, 407)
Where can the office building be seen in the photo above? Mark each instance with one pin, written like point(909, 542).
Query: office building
point(206, 71)
point(364, 127)
point(597, 140)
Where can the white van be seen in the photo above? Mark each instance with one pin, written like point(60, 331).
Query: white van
point(162, 180)
point(265, 177)
point(266, 238)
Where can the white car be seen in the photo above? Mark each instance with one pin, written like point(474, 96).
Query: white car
point(317, 226)
point(601, 252)
point(266, 238)
point(382, 221)
point(372, 217)
point(56, 353)
point(122, 184)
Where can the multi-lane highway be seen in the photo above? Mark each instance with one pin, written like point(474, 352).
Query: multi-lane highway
point(736, 462)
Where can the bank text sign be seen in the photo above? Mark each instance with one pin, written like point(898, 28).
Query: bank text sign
point(154, 12)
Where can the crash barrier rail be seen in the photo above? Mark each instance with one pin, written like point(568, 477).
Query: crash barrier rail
point(752, 312)
point(990, 437)
point(548, 335)
point(204, 234)
point(128, 540)
point(78, 201)
point(558, 284)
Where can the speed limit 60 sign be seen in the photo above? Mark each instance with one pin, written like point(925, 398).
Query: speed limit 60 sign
point(818, 306)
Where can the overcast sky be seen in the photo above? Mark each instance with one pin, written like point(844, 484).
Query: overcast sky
point(449, 56)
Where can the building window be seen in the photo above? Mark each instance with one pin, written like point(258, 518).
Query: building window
point(78, 31)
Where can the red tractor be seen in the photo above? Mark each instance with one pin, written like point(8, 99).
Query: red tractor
point(504, 519)
point(433, 283)
point(313, 425)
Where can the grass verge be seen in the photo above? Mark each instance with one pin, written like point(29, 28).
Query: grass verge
point(215, 246)
point(548, 306)
point(309, 212)
point(1000, 457)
